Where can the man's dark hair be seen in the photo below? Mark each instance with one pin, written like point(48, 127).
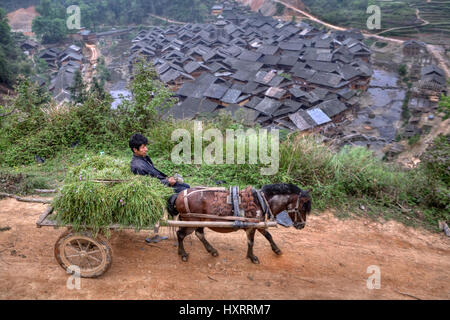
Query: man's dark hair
point(137, 140)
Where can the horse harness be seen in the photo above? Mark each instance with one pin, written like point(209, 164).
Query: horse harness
point(237, 200)
point(296, 211)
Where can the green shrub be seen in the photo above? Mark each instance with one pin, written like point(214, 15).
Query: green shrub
point(403, 70)
point(414, 139)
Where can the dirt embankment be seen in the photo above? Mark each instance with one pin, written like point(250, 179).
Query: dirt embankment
point(21, 20)
point(326, 260)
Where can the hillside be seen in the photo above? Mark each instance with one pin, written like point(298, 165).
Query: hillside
point(409, 16)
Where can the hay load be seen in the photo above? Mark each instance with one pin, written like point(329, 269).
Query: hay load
point(102, 191)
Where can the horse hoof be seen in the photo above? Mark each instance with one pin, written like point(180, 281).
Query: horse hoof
point(185, 258)
point(215, 254)
point(278, 252)
point(254, 259)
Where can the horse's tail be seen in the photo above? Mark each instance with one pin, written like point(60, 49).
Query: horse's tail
point(171, 205)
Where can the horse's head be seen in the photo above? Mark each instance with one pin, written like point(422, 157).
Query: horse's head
point(290, 198)
point(298, 208)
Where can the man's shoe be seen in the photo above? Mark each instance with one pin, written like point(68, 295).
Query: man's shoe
point(155, 239)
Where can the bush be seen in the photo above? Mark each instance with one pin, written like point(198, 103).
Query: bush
point(37, 128)
point(402, 70)
point(279, 9)
point(414, 139)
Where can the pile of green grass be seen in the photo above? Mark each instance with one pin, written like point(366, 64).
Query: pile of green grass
point(137, 201)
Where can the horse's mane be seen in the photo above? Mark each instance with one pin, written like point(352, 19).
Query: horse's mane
point(280, 188)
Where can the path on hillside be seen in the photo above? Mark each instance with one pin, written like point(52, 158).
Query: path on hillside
point(326, 260)
point(166, 19)
point(90, 71)
point(424, 23)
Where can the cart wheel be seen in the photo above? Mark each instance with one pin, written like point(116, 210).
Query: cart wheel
point(92, 255)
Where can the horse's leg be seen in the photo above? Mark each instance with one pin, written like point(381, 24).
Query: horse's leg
point(201, 235)
point(268, 236)
point(251, 239)
point(181, 234)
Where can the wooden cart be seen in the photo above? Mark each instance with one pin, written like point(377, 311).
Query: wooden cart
point(92, 254)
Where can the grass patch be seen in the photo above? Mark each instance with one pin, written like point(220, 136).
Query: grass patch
point(414, 139)
point(138, 201)
point(381, 45)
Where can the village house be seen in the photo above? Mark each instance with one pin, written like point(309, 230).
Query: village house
point(29, 46)
point(269, 72)
point(414, 48)
point(432, 81)
point(217, 10)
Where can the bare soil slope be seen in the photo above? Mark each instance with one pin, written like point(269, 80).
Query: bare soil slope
point(21, 20)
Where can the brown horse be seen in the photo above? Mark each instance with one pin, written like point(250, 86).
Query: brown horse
point(192, 203)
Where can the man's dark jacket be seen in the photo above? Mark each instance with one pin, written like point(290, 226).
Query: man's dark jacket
point(144, 166)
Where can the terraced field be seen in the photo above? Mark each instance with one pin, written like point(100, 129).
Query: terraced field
point(426, 20)
point(436, 15)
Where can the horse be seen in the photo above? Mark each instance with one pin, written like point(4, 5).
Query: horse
point(192, 203)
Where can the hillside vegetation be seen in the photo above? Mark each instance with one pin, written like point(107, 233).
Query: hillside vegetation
point(51, 26)
point(12, 59)
point(346, 179)
point(352, 13)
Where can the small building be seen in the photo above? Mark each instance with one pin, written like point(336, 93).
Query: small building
point(413, 48)
point(217, 10)
point(88, 36)
point(432, 81)
point(30, 46)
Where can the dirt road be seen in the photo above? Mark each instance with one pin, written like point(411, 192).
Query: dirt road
point(326, 260)
point(166, 19)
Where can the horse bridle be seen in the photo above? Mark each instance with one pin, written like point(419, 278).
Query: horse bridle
point(296, 211)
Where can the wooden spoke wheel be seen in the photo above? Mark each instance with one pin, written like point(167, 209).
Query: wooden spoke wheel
point(93, 255)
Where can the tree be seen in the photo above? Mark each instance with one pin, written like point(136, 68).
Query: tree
point(402, 70)
point(12, 59)
point(5, 48)
point(50, 30)
point(41, 66)
point(97, 89)
point(78, 90)
point(444, 106)
point(150, 98)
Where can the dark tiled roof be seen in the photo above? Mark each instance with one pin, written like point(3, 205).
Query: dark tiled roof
point(292, 46)
point(270, 60)
point(299, 121)
point(268, 106)
point(194, 66)
point(250, 56)
point(297, 92)
point(215, 91)
point(327, 79)
point(332, 107)
point(268, 50)
point(231, 96)
point(288, 60)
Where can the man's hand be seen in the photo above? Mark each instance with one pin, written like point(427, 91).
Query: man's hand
point(172, 181)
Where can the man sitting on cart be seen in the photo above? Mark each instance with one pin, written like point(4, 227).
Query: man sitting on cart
point(142, 164)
